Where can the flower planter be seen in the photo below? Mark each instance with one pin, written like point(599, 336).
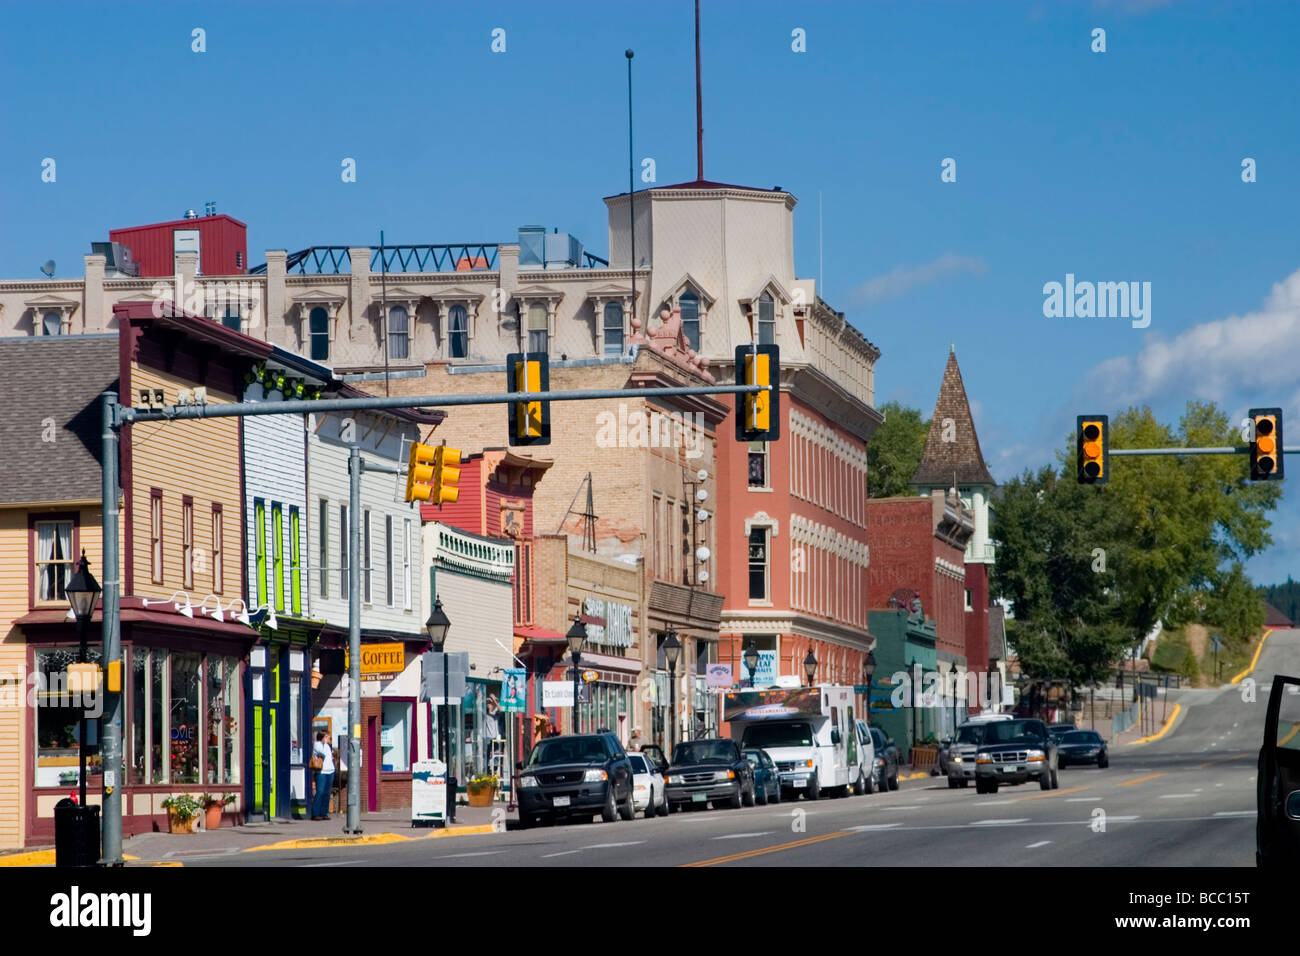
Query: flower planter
point(482, 797)
point(176, 825)
point(213, 820)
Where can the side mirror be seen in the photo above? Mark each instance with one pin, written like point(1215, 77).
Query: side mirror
point(519, 765)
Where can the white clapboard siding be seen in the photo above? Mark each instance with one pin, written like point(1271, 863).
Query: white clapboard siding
point(472, 576)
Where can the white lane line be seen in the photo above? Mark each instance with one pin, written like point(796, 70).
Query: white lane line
point(455, 856)
point(606, 846)
point(306, 866)
point(1035, 846)
point(1176, 796)
point(908, 806)
point(1235, 813)
point(994, 803)
point(875, 826)
point(1082, 799)
point(994, 823)
point(1111, 818)
point(742, 836)
point(564, 853)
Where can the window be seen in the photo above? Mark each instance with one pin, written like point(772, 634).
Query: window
point(155, 536)
point(758, 564)
point(319, 326)
point(398, 333)
point(689, 304)
point(259, 547)
point(185, 733)
point(395, 736)
point(295, 562)
point(458, 322)
point(367, 596)
point(343, 551)
point(57, 722)
point(187, 542)
point(674, 542)
point(52, 324)
point(223, 720)
point(523, 582)
point(969, 605)
point(758, 464)
point(406, 563)
point(658, 540)
point(537, 326)
point(53, 559)
point(324, 556)
point(613, 329)
point(388, 560)
point(766, 319)
point(217, 577)
point(277, 552)
point(231, 318)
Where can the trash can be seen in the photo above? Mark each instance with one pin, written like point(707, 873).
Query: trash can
point(76, 834)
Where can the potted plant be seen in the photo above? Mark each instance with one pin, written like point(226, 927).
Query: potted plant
point(214, 806)
point(482, 790)
point(182, 813)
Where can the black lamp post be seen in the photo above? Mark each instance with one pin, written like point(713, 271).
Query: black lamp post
point(82, 590)
point(577, 637)
point(810, 666)
point(868, 672)
point(751, 660)
point(436, 627)
point(672, 649)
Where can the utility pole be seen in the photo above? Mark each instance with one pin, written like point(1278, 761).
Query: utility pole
point(355, 465)
point(110, 612)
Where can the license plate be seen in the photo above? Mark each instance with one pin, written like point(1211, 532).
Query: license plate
point(1010, 769)
point(699, 797)
point(800, 781)
point(561, 801)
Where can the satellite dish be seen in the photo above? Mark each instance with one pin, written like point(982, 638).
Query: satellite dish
point(702, 475)
point(48, 268)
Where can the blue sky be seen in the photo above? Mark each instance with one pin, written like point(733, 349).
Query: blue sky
point(1115, 166)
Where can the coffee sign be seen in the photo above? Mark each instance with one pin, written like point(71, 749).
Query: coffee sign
point(381, 660)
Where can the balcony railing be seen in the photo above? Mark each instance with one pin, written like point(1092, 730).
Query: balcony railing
point(452, 257)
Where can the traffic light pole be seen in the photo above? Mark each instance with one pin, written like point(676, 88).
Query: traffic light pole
point(1241, 450)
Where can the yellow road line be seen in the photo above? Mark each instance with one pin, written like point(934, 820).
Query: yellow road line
point(318, 842)
point(1150, 776)
point(1050, 793)
point(1163, 730)
point(772, 849)
point(1209, 763)
point(1254, 660)
point(460, 831)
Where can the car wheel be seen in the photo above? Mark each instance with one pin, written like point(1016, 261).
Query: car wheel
point(749, 798)
point(979, 785)
point(869, 783)
point(628, 810)
point(651, 808)
point(992, 787)
point(776, 794)
point(953, 784)
point(1103, 762)
point(761, 796)
point(664, 807)
point(609, 813)
point(965, 782)
point(893, 781)
point(1056, 781)
point(1045, 779)
point(814, 790)
point(737, 799)
point(527, 821)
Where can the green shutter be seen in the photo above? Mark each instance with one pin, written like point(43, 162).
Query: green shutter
point(277, 552)
point(259, 529)
point(295, 561)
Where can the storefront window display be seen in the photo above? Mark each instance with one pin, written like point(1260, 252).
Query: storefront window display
point(482, 723)
point(58, 720)
point(395, 736)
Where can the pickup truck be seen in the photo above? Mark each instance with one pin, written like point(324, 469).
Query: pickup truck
point(1014, 752)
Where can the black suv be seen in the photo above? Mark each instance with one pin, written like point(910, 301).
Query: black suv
point(1014, 751)
point(714, 770)
point(577, 775)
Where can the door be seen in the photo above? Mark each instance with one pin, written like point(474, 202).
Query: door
point(371, 761)
point(1277, 828)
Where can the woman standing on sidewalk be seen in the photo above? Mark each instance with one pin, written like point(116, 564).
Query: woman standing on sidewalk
point(323, 763)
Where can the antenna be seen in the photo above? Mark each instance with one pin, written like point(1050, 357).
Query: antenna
point(819, 243)
point(48, 268)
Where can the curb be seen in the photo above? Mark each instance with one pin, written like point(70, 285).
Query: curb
point(34, 858)
point(1178, 709)
point(375, 839)
point(1253, 661)
point(915, 776)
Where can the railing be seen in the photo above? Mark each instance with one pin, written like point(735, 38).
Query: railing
point(449, 257)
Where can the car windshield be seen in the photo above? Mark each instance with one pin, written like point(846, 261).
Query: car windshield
point(568, 750)
point(700, 751)
point(878, 740)
point(969, 735)
point(638, 763)
point(1062, 728)
point(1081, 737)
point(781, 734)
point(1014, 732)
point(754, 758)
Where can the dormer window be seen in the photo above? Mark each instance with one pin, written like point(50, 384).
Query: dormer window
point(613, 328)
point(398, 332)
point(52, 323)
point(689, 303)
point(458, 324)
point(537, 328)
point(766, 320)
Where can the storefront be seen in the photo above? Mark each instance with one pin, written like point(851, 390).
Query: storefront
point(278, 717)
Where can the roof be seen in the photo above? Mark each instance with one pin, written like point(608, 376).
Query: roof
point(56, 377)
point(1275, 618)
point(710, 184)
point(997, 633)
point(188, 223)
point(952, 449)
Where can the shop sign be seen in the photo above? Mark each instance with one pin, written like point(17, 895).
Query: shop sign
point(590, 676)
point(514, 690)
point(617, 629)
point(559, 693)
point(380, 661)
point(718, 675)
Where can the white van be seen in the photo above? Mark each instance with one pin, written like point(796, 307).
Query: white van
point(809, 732)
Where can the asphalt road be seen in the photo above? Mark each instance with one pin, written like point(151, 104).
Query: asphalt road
point(1187, 799)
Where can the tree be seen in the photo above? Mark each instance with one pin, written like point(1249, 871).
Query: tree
point(895, 450)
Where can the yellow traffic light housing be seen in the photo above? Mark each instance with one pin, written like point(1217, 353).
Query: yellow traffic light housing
point(1266, 444)
point(419, 472)
point(446, 473)
point(758, 414)
point(1093, 449)
point(530, 422)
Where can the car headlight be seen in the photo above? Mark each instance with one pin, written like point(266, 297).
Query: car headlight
point(880, 762)
point(526, 781)
point(1037, 755)
point(983, 758)
point(675, 778)
point(724, 775)
point(955, 758)
point(594, 776)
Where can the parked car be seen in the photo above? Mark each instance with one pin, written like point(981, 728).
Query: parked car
point(1277, 790)
point(767, 779)
point(1013, 752)
point(649, 790)
point(959, 762)
point(1060, 730)
point(886, 760)
point(655, 754)
point(707, 770)
point(1082, 746)
point(576, 775)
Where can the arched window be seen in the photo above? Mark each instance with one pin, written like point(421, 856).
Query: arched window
point(766, 320)
point(52, 324)
point(458, 322)
point(689, 304)
point(537, 327)
point(398, 334)
point(319, 324)
point(613, 328)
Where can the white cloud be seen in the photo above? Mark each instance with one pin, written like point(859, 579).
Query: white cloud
point(903, 279)
point(1242, 354)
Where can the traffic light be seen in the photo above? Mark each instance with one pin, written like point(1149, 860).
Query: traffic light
point(758, 414)
point(530, 422)
point(419, 472)
point(446, 472)
point(1093, 438)
point(1266, 444)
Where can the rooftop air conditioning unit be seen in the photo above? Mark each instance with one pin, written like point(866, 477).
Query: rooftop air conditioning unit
point(117, 259)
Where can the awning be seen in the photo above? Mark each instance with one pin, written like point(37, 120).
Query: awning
point(535, 642)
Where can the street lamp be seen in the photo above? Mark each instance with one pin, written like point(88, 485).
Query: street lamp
point(672, 649)
point(810, 666)
point(577, 637)
point(868, 672)
point(82, 590)
point(436, 628)
point(751, 660)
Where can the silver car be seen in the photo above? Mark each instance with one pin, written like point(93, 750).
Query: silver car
point(961, 754)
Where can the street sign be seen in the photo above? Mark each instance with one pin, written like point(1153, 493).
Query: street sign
point(590, 676)
point(559, 693)
point(431, 676)
point(513, 690)
point(1217, 642)
point(428, 792)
